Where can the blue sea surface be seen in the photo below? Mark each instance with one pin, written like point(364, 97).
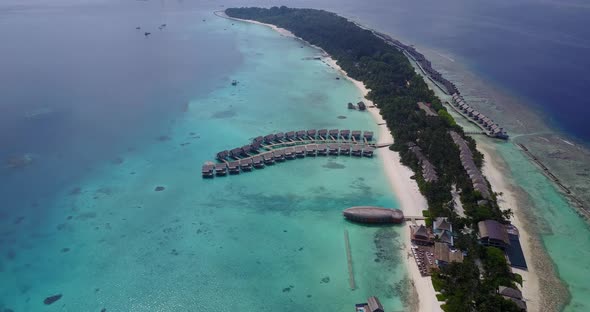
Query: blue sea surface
point(108, 116)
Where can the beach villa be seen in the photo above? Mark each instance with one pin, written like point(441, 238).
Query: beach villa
point(493, 233)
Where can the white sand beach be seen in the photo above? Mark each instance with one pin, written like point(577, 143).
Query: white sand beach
point(406, 190)
point(508, 200)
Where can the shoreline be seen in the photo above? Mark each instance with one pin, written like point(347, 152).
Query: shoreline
point(406, 191)
point(530, 280)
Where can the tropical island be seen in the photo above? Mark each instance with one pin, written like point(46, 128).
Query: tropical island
point(444, 159)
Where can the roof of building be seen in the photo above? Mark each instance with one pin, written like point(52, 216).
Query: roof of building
point(442, 224)
point(442, 252)
point(446, 237)
point(521, 304)
point(510, 292)
point(421, 232)
point(492, 229)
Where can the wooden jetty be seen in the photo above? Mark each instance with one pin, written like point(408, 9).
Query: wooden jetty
point(349, 261)
point(279, 147)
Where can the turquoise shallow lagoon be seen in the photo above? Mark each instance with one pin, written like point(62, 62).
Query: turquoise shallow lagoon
point(268, 240)
point(563, 233)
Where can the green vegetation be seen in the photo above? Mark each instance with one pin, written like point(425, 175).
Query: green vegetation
point(396, 89)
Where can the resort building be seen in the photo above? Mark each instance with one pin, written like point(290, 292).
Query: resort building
point(513, 295)
point(443, 255)
point(443, 230)
point(479, 182)
point(420, 235)
point(428, 171)
point(493, 233)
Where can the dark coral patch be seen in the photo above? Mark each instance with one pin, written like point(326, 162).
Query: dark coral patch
point(159, 188)
point(66, 249)
point(163, 138)
point(341, 117)
point(51, 299)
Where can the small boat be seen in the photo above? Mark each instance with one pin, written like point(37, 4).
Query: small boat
point(147, 33)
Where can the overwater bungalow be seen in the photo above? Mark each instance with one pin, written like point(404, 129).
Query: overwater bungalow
point(255, 146)
point(469, 111)
point(311, 149)
point(221, 169)
point(333, 149)
point(234, 167)
point(222, 155)
point(299, 151)
point(345, 134)
point(361, 105)
point(311, 133)
point(322, 149)
point(258, 139)
point(246, 164)
point(333, 134)
point(368, 151)
point(235, 153)
point(474, 114)
point(356, 150)
point(208, 170)
point(279, 155)
point(356, 134)
point(279, 137)
point(269, 139)
point(301, 134)
point(246, 149)
point(345, 149)
point(268, 158)
point(323, 133)
point(258, 162)
point(290, 135)
point(289, 153)
point(368, 135)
